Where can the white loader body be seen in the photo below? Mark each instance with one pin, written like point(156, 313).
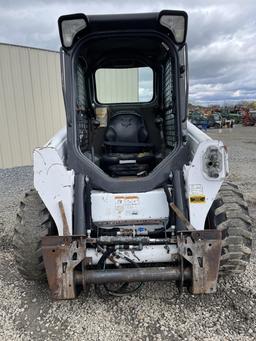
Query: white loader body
point(149, 210)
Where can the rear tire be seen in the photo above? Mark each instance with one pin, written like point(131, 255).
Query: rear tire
point(229, 214)
point(33, 222)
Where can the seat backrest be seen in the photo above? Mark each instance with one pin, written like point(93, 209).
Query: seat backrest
point(126, 127)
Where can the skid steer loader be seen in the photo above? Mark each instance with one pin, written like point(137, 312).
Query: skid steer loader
point(129, 191)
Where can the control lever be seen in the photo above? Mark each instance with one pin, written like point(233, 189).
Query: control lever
point(159, 123)
point(95, 123)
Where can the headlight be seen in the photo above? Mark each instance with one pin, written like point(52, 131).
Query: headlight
point(69, 26)
point(176, 22)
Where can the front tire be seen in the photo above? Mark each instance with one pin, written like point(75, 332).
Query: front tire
point(33, 223)
point(229, 214)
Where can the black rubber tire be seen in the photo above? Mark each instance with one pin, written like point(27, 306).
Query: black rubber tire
point(229, 214)
point(33, 222)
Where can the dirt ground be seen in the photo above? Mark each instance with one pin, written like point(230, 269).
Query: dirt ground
point(157, 312)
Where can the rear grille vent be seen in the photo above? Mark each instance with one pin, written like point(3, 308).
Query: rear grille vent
point(169, 105)
point(81, 108)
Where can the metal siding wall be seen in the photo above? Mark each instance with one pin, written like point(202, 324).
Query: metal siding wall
point(31, 103)
point(117, 86)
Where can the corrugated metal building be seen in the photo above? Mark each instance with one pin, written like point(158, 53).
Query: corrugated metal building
point(122, 85)
point(31, 102)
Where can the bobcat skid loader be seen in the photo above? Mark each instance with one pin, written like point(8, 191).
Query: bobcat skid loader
point(129, 191)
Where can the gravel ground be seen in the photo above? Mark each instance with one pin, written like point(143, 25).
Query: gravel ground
point(158, 312)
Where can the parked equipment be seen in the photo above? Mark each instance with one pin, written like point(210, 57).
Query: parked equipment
point(129, 191)
point(215, 120)
point(249, 118)
point(236, 117)
point(199, 120)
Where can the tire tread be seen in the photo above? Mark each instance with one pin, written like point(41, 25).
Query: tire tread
point(231, 216)
point(32, 224)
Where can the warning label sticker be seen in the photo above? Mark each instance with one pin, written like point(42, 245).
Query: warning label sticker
point(196, 189)
point(197, 199)
point(128, 205)
point(196, 195)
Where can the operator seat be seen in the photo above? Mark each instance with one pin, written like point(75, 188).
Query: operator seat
point(126, 146)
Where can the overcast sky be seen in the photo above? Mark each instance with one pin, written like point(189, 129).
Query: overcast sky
point(221, 37)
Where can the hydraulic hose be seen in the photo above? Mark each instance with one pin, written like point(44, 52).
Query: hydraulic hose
point(123, 288)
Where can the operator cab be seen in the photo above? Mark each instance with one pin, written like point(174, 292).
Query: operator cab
point(122, 80)
point(127, 133)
